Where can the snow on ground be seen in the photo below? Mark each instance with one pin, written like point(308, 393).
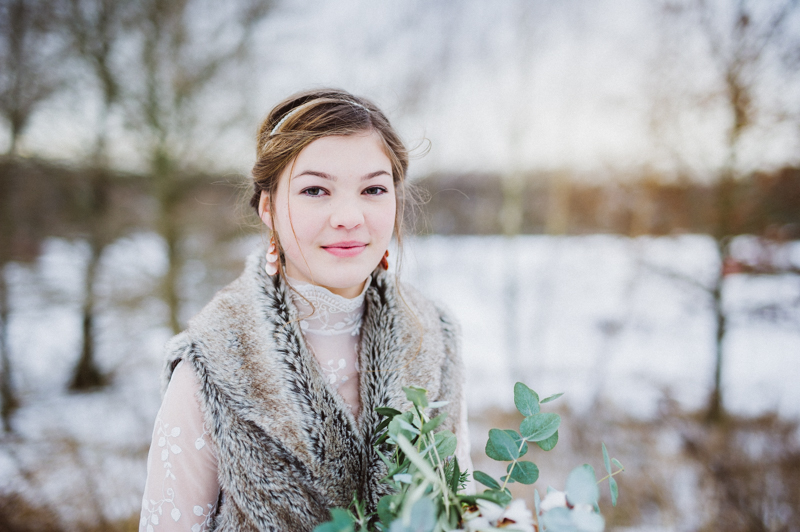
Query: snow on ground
point(625, 320)
point(609, 316)
point(591, 316)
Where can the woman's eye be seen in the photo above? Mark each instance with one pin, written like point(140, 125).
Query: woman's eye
point(374, 191)
point(313, 191)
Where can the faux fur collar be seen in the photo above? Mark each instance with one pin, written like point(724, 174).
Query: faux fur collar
point(288, 446)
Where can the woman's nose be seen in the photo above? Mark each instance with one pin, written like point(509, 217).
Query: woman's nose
point(346, 214)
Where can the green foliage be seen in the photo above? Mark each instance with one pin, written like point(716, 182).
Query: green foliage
point(426, 478)
point(612, 482)
point(341, 521)
point(486, 480)
point(526, 400)
point(501, 446)
point(518, 442)
point(524, 472)
point(548, 443)
point(582, 486)
point(539, 427)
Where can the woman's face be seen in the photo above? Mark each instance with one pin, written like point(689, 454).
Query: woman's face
point(334, 211)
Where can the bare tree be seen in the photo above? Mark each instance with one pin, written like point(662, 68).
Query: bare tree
point(176, 65)
point(27, 78)
point(28, 59)
point(8, 396)
point(95, 29)
point(744, 41)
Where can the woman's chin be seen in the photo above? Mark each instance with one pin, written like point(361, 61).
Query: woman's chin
point(338, 277)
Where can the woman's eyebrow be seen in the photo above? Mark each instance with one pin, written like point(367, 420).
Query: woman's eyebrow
point(324, 175)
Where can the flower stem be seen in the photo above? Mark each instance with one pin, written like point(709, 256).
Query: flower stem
point(611, 475)
point(508, 475)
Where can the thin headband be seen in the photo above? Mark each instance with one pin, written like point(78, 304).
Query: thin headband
point(308, 104)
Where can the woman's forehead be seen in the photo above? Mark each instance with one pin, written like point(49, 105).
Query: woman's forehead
point(339, 156)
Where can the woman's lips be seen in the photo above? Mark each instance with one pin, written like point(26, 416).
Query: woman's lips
point(345, 249)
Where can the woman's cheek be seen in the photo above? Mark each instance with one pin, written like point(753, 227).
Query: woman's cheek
point(383, 222)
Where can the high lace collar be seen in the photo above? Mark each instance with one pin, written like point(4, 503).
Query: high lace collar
point(325, 313)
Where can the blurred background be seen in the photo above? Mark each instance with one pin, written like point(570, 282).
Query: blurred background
point(611, 207)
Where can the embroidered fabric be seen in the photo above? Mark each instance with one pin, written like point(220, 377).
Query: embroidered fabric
point(331, 325)
point(325, 313)
point(182, 488)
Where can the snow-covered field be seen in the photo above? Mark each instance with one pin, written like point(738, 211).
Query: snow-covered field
point(597, 317)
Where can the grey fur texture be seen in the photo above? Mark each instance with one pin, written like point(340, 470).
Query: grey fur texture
point(288, 446)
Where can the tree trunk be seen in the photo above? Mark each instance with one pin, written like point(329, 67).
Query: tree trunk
point(8, 396)
point(724, 230)
point(716, 410)
point(7, 393)
point(87, 374)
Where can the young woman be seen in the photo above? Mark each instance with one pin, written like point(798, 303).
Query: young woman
point(268, 419)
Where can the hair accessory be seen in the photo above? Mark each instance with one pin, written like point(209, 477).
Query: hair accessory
point(271, 266)
point(307, 104)
point(385, 260)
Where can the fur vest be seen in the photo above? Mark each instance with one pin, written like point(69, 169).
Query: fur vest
point(288, 446)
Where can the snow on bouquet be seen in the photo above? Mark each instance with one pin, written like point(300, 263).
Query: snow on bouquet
point(428, 483)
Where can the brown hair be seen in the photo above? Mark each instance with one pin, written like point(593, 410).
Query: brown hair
point(307, 116)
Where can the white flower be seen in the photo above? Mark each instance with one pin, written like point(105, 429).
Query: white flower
point(520, 515)
point(554, 499)
point(490, 510)
point(491, 516)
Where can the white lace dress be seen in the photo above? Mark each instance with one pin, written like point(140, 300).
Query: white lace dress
point(182, 489)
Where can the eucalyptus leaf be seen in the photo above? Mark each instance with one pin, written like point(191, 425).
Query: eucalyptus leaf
point(438, 404)
point(606, 460)
point(549, 443)
point(385, 513)
point(405, 478)
point(587, 521)
point(421, 464)
point(612, 484)
point(518, 441)
point(526, 400)
point(383, 424)
point(423, 517)
point(507, 480)
point(525, 472)
point(551, 398)
point(617, 463)
point(501, 446)
point(433, 423)
point(539, 426)
point(537, 501)
point(341, 521)
point(496, 496)
point(399, 426)
point(405, 424)
point(486, 480)
point(582, 486)
point(446, 443)
point(418, 396)
point(558, 520)
point(388, 412)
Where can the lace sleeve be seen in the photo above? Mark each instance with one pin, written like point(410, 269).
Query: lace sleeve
point(182, 488)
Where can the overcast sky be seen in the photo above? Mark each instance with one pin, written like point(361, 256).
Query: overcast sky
point(593, 86)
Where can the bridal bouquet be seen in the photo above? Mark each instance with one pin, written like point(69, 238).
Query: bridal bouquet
point(428, 483)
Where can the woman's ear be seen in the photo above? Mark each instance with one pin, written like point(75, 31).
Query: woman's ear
point(263, 209)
